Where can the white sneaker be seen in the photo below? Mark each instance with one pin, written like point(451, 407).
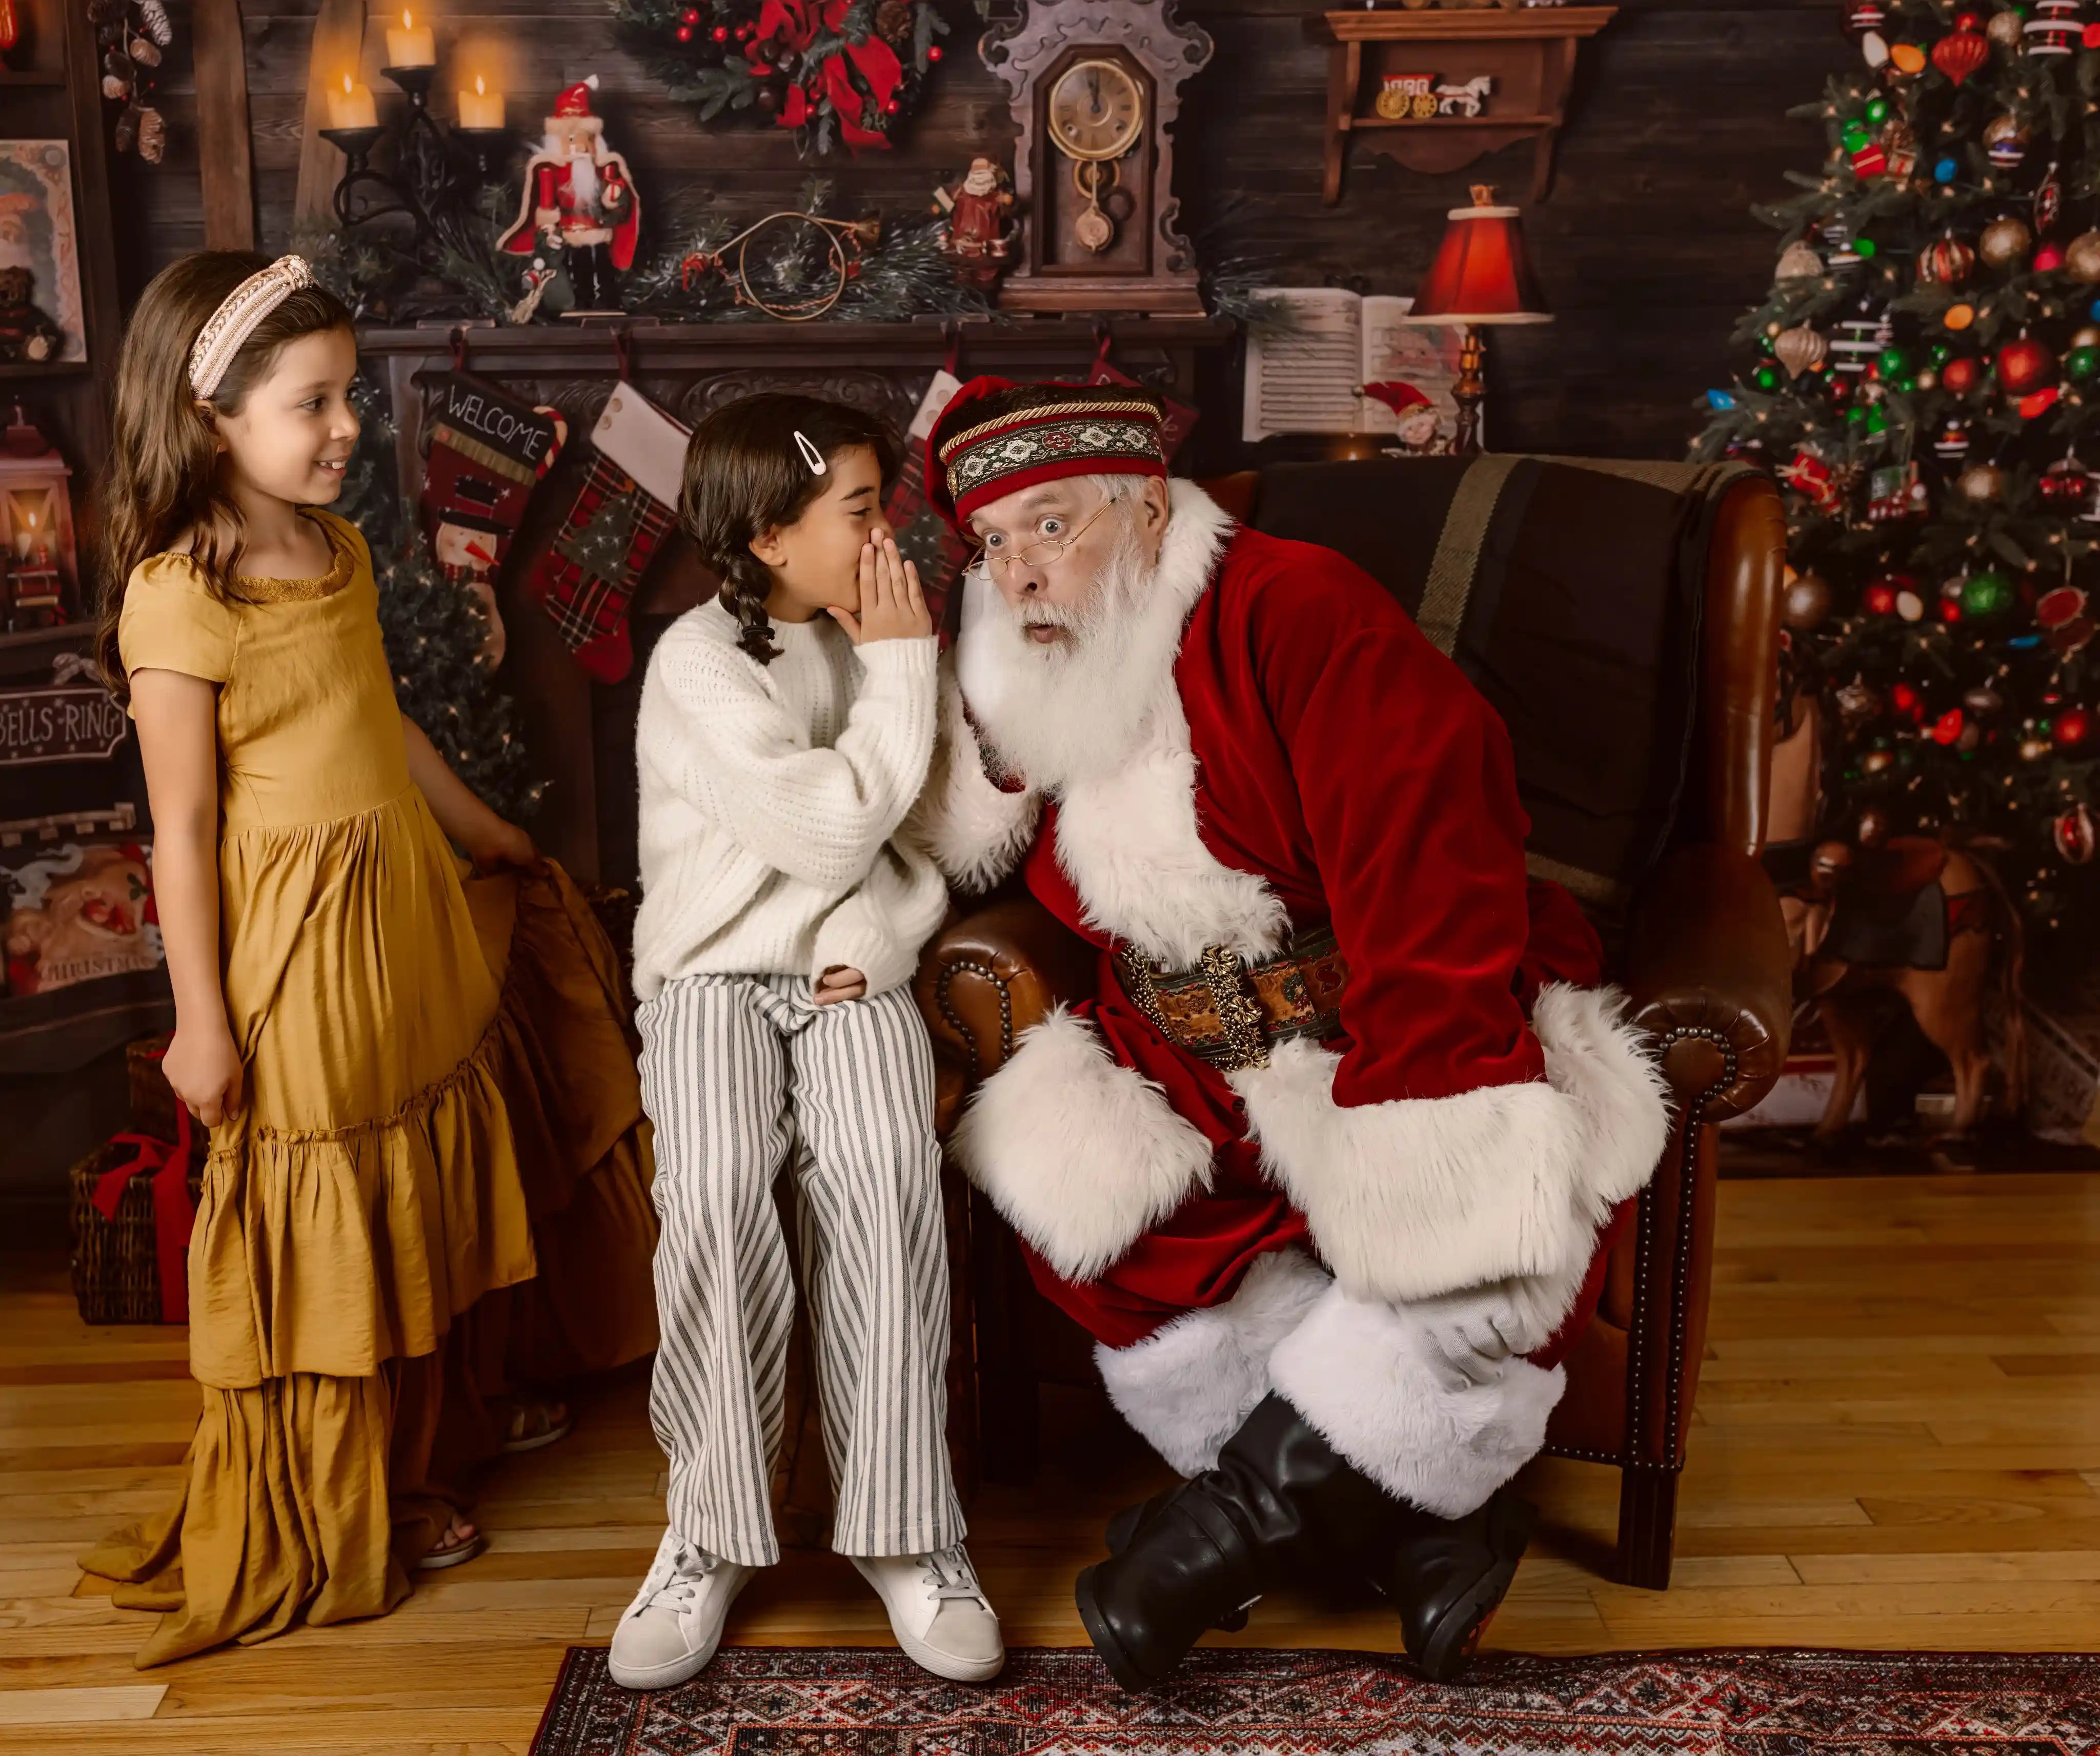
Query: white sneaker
point(938, 1612)
point(672, 1627)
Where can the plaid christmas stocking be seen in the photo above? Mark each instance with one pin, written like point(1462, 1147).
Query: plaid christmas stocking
point(587, 578)
point(933, 548)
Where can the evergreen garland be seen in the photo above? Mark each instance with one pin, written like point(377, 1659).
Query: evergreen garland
point(435, 632)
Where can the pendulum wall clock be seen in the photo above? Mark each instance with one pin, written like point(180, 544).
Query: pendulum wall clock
point(1095, 85)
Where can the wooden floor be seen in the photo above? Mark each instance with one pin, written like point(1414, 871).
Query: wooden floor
point(1897, 1445)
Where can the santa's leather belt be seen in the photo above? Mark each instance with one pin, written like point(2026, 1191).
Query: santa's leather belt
point(1230, 1012)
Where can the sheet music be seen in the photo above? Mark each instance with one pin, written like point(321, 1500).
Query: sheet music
point(1305, 379)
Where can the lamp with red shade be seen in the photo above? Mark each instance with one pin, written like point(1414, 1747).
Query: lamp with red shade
point(1480, 276)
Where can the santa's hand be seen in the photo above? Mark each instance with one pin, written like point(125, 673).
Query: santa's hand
point(1476, 1332)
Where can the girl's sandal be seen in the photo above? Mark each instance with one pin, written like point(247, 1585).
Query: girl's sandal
point(535, 1423)
point(444, 1556)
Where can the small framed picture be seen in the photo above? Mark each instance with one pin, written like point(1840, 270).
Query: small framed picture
point(38, 237)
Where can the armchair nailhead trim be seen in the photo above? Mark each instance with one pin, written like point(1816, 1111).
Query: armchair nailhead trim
point(948, 974)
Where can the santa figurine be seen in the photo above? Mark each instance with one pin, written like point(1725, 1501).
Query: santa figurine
point(578, 199)
point(978, 235)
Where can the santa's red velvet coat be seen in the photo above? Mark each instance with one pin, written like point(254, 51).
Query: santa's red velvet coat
point(1310, 760)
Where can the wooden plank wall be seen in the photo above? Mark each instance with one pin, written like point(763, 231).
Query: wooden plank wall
point(1645, 249)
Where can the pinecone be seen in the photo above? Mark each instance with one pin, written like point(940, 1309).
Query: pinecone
point(152, 136)
point(892, 22)
point(154, 20)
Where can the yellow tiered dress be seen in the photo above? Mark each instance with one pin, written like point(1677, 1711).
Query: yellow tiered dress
point(437, 1183)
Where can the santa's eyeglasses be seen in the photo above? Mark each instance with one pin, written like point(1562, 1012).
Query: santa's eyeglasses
point(1036, 554)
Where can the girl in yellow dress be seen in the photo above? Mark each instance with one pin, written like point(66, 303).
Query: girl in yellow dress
point(406, 1078)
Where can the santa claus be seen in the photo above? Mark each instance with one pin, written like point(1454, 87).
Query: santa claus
point(578, 199)
point(1326, 1164)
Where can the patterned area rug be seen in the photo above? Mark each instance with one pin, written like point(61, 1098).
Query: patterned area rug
point(839, 1702)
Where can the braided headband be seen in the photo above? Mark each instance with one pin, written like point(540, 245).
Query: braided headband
point(235, 319)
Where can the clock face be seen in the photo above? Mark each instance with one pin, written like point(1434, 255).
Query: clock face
point(1096, 110)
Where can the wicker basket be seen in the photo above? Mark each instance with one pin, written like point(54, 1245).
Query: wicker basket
point(116, 1272)
point(153, 1099)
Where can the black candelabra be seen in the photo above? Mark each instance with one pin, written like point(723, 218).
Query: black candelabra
point(437, 174)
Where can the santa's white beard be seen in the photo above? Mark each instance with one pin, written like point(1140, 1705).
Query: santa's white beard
point(583, 178)
point(1079, 707)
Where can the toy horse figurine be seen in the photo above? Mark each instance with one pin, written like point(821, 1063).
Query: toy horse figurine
point(1918, 919)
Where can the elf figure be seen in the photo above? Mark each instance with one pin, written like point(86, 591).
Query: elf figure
point(580, 199)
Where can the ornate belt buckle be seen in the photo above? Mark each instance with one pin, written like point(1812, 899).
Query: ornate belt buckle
point(1239, 1009)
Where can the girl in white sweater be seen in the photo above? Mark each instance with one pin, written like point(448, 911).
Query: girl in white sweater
point(785, 728)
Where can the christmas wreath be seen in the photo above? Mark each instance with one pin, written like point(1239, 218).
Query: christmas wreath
point(832, 70)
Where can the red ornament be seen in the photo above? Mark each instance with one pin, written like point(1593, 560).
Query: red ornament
point(891, 107)
point(2065, 484)
point(690, 15)
point(1948, 726)
point(2047, 259)
point(2025, 365)
point(721, 34)
point(685, 34)
point(1904, 698)
point(2074, 725)
point(934, 51)
point(2073, 835)
point(1946, 263)
point(2063, 617)
point(1950, 610)
point(1961, 54)
point(2091, 39)
point(1879, 598)
point(1961, 376)
point(2040, 404)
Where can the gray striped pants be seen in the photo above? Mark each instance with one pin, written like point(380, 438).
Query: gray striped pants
point(738, 1074)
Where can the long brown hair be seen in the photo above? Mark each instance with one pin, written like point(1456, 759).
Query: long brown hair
point(163, 480)
point(746, 475)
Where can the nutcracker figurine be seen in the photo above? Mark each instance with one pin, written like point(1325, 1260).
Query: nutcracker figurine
point(578, 199)
point(978, 235)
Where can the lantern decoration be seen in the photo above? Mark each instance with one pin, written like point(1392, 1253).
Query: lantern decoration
point(2005, 241)
point(38, 577)
point(2025, 365)
point(1946, 263)
point(2005, 137)
point(1799, 261)
point(1961, 54)
point(2065, 485)
point(1800, 349)
point(2054, 29)
point(1951, 441)
point(2062, 617)
point(2072, 833)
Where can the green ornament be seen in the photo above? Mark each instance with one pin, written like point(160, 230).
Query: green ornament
point(1877, 112)
point(1906, 384)
point(1766, 378)
point(1855, 136)
point(1864, 247)
point(1855, 414)
point(1877, 420)
point(1894, 362)
point(1986, 594)
point(1939, 353)
point(2080, 363)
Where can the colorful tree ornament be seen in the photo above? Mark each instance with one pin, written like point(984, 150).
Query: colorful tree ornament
point(2005, 241)
point(1800, 349)
point(2073, 727)
point(2024, 365)
point(1960, 55)
point(1986, 594)
point(1947, 263)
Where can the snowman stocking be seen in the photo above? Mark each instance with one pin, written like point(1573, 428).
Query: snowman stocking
point(586, 580)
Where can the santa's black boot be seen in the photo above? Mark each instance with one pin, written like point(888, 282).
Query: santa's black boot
point(1280, 1501)
point(1445, 1576)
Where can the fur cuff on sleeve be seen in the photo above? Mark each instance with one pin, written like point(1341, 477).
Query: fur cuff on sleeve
point(976, 833)
point(1423, 1196)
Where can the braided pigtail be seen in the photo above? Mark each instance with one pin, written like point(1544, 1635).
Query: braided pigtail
point(746, 584)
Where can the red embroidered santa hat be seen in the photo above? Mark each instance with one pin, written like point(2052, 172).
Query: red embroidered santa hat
point(572, 105)
point(996, 438)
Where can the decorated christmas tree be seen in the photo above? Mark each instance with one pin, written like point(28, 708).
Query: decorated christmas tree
point(1924, 377)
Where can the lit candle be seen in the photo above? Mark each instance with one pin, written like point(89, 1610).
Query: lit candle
point(480, 107)
point(352, 107)
point(410, 46)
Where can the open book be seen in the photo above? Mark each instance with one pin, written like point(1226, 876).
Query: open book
point(1312, 376)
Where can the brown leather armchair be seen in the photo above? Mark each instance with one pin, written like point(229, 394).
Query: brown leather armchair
point(1695, 554)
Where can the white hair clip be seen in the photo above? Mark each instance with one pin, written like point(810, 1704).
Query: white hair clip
point(810, 455)
point(228, 328)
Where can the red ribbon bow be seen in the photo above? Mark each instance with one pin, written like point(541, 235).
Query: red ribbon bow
point(169, 1166)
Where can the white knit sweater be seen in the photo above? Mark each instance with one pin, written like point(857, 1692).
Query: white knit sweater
point(771, 797)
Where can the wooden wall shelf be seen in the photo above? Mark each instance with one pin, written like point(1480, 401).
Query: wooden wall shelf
point(1529, 53)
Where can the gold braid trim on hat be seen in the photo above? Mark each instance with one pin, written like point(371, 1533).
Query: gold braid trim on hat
point(228, 330)
point(1123, 405)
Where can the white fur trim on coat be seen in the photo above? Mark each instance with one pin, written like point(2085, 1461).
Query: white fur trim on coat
point(1082, 1156)
point(976, 833)
point(1370, 1378)
point(1421, 1196)
point(1189, 1385)
point(1128, 839)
